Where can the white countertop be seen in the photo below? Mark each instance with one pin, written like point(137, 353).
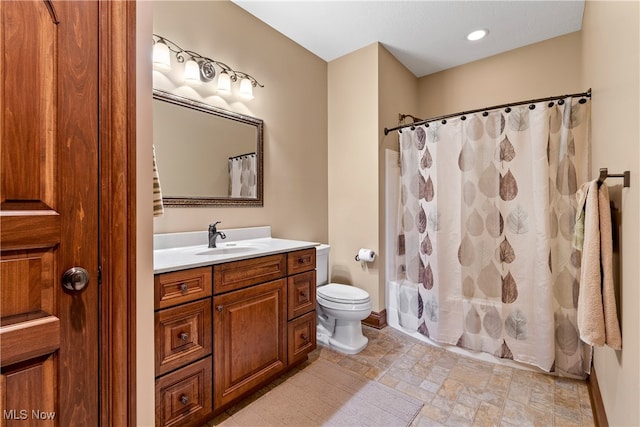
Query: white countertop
point(180, 251)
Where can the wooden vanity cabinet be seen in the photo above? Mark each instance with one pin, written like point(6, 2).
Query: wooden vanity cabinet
point(225, 330)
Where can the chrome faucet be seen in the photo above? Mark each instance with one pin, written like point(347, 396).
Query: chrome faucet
point(213, 234)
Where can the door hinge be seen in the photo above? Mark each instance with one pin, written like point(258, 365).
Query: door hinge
point(99, 275)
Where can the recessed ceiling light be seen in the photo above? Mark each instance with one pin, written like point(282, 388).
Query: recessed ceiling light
point(477, 35)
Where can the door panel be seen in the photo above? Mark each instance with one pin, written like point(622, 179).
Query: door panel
point(48, 211)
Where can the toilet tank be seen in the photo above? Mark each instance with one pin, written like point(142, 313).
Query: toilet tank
point(322, 264)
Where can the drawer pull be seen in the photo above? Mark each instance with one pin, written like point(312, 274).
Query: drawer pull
point(184, 336)
point(301, 260)
point(303, 336)
point(303, 294)
point(220, 308)
point(184, 399)
point(184, 288)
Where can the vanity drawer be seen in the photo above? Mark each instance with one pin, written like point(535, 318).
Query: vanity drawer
point(183, 334)
point(240, 274)
point(184, 397)
point(301, 337)
point(301, 294)
point(300, 261)
point(181, 286)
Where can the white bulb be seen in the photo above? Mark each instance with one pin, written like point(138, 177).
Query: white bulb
point(224, 83)
point(477, 35)
point(192, 72)
point(161, 56)
point(246, 89)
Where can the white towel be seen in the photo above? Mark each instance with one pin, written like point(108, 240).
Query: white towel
point(597, 316)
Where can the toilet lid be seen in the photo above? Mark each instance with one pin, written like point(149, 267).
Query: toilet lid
point(343, 293)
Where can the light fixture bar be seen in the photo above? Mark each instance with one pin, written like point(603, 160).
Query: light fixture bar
point(206, 65)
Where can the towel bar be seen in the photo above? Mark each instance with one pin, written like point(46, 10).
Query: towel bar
point(604, 174)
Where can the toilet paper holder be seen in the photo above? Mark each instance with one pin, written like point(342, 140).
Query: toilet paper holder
point(366, 255)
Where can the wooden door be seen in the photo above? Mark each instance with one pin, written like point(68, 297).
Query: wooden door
point(249, 339)
point(49, 212)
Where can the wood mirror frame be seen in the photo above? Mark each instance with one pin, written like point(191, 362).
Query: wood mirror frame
point(213, 201)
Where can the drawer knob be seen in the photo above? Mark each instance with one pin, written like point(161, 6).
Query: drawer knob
point(303, 294)
point(184, 399)
point(184, 336)
point(220, 308)
point(303, 336)
point(184, 288)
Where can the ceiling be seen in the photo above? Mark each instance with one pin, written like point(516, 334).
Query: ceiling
point(425, 36)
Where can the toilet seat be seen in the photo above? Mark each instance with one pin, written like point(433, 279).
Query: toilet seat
point(343, 294)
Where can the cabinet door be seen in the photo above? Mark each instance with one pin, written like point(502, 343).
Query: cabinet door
point(249, 339)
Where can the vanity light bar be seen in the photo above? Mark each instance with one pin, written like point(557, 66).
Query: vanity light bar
point(199, 68)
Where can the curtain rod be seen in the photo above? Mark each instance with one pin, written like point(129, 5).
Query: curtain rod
point(586, 94)
point(253, 153)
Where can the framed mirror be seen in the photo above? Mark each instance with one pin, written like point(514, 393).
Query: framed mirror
point(206, 156)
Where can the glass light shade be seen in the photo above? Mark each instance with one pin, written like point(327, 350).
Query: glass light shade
point(224, 83)
point(246, 89)
point(161, 56)
point(192, 72)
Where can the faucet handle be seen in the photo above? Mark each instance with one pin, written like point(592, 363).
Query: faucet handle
point(212, 227)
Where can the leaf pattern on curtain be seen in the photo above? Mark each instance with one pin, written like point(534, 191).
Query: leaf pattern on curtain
point(489, 229)
point(475, 128)
point(466, 160)
point(507, 152)
point(468, 287)
point(508, 186)
point(518, 221)
point(519, 119)
point(472, 321)
point(495, 124)
point(489, 184)
point(492, 323)
point(516, 325)
point(509, 289)
point(505, 252)
point(468, 192)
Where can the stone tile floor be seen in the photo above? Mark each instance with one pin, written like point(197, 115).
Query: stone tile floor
point(457, 390)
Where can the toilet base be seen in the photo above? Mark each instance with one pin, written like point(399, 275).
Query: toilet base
point(346, 338)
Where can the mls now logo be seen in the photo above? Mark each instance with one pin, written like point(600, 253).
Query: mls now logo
point(23, 414)
point(14, 414)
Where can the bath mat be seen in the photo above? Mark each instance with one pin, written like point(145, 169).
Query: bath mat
point(325, 394)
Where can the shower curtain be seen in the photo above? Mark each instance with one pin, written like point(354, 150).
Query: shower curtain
point(486, 224)
point(243, 176)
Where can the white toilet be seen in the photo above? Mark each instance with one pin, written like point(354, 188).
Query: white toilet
point(340, 309)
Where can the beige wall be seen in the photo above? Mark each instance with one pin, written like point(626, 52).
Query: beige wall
point(293, 105)
point(611, 50)
point(548, 68)
point(353, 168)
point(145, 356)
point(603, 56)
point(397, 94)
point(366, 91)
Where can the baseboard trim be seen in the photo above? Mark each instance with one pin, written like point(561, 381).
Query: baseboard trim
point(376, 320)
point(597, 405)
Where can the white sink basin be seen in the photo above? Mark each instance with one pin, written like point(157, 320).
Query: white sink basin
point(226, 250)
point(234, 248)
